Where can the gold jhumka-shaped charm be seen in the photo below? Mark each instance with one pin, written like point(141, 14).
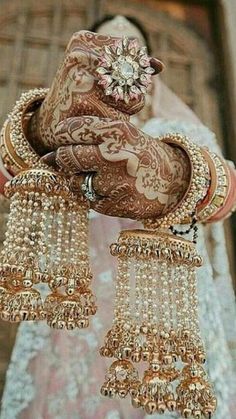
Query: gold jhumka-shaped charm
point(156, 323)
point(46, 242)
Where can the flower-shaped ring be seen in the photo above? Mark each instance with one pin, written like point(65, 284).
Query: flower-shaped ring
point(125, 70)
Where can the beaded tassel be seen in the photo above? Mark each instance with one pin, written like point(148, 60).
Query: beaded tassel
point(156, 323)
point(46, 242)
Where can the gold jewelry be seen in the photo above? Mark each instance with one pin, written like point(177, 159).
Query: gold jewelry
point(155, 316)
point(198, 186)
point(46, 239)
point(11, 161)
point(125, 70)
point(219, 187)
point(156, 323)
point(17, 153)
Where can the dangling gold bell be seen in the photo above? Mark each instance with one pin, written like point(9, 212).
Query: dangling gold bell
point(156, 393)
point(19, 300)
point(22, 304)
point(70, 311)
point(195, 394)
point(121, 379)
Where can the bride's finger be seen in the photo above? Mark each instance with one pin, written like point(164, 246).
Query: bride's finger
point(75, 159)
point(80, 159)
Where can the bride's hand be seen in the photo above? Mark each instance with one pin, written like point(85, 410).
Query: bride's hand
point(75, 91)
point(137, 175)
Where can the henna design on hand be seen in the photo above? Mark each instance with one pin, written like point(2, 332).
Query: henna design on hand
point(139, 176)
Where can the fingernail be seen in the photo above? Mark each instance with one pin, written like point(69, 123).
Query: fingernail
point(157, 65)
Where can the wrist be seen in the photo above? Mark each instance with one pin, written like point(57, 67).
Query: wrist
point(197, 184)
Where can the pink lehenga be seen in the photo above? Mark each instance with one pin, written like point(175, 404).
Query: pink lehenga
point(57, 374)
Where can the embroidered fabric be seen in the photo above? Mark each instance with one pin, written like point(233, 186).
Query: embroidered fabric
point(57, 374)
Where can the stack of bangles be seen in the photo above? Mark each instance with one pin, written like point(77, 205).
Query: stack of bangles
point(221, 195)
point(211, 194)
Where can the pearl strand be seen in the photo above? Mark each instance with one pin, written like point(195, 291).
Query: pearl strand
point(193, 303)
point(163, 296)
point(143, 269)
point(60, 230)
point(70, 288)
point(172, 298)
point(49, 209)
point(184, 292)
point(42, 206)
point(138, 293)
point(73, 236)
point(177, 293)
point(122, 306)
point(7, 252)
point(155, 296)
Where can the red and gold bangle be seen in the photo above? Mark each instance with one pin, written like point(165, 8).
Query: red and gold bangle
point(230, 203)
point(17, 153)
point(198, 186)
point(219, 188)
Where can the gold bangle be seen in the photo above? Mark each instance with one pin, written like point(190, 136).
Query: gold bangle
point(11, 160)
point(220, 177)
point(17, 153)
point(198, 185)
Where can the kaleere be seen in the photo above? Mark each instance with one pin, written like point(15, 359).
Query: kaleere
point(46, 240)
point(156, 312)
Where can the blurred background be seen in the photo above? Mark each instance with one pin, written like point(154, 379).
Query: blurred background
point(194, 38)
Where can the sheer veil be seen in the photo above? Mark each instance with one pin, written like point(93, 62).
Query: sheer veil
point(57, 374)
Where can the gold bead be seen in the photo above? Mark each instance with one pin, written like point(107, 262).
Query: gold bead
point(187, 413)
point(171, 405)
point(161, 408)
point(155, 366)
point(125, 353)
point(208, 412)
point(83, 323)
point(136, 356)
point(111, 393)
point(123, 393)
point(167, 359)
point(146, 356)
point(150, 407)
point(104, 391)
point(197, 414)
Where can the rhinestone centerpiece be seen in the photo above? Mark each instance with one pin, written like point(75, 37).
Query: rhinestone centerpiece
point(125, 70)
